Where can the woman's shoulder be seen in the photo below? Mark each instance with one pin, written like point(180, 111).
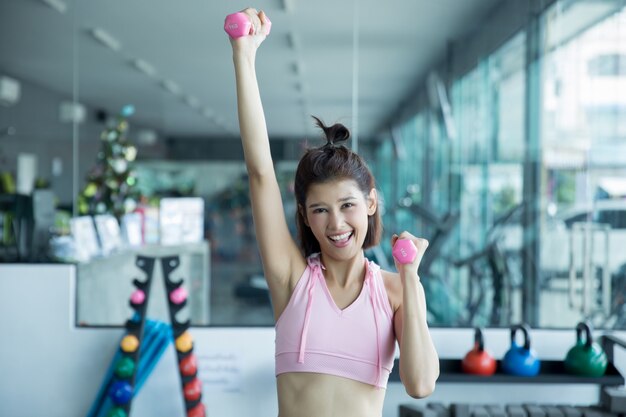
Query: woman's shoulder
point(393, 286)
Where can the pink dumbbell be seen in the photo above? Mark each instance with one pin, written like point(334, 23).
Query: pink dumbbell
point(137, 297)
point(404, 251)
point(178, 295)
point(238, 25)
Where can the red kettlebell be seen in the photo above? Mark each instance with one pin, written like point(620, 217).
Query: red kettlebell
point(478, 361)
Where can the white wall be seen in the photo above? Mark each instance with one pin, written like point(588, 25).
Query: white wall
point(49, 367)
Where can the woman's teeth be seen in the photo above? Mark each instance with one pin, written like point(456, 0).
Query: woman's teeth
point(340, 237)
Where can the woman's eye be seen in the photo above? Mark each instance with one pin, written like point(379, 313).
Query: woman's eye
point(319, 210)
point(348, 205)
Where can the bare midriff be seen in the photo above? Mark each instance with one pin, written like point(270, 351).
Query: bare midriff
point(303, 394)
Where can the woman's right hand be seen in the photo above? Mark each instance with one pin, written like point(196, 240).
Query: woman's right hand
point(248, 44)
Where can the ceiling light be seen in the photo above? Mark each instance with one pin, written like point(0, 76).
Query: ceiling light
point(288, 5)
point(143, 67)
point(302, 87)
point(293, 41)
point(72, 112)
point(297, 68)
point(105, 39)
point(208, 113)
point(219, 120)
point(58, 5)
point(171, 86)
point(192, 102)
point(10, 91)
point(7, 131)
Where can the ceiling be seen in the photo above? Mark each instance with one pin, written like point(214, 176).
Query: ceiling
point(304, 67)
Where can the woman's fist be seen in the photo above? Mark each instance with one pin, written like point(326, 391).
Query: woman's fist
point(408, 251)
point(257, 26)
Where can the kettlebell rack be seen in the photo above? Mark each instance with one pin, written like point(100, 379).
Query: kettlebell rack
point(551, 372)
point(121, 388)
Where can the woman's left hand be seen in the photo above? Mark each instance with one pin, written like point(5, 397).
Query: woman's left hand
point(420, 245)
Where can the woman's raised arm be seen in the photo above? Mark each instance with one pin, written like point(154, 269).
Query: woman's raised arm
point(281, 256)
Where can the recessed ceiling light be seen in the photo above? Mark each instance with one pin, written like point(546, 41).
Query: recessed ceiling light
point(192, 102)
point(106, 39)
point(293, 41)
point(171, 86)
point(144, 67)
point(297, 68)
point(288, 5)
point(208, 113)
point(58, 5)
point(302, 87)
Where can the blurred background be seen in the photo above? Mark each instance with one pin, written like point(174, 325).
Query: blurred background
point(495, 129)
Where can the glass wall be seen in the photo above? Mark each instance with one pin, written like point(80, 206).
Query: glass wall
point(460, 187)
point(583, 162)
point(525, 197)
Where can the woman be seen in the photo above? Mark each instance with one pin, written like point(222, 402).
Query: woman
point(338, 316)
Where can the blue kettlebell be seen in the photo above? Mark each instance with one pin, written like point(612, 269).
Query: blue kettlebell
point(521, 360)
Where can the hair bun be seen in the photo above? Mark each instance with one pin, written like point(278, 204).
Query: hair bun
point(335, 133)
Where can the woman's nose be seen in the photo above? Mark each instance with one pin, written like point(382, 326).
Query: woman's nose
point(336, 219)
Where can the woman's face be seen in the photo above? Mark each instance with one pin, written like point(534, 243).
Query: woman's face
point(337, 213)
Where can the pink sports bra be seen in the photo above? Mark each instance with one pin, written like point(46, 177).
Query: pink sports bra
point(314, 335)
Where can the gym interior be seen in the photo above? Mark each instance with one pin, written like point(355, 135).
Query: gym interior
point(496, 129)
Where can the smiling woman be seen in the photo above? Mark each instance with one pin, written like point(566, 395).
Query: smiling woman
point(338, 316)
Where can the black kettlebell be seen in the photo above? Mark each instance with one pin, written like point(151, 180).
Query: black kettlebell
point(585, 358)
point(521, 360)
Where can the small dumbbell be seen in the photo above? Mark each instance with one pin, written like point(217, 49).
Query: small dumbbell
point(404, 251)
point(238, 25)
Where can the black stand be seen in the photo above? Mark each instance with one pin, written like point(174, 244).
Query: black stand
point(121, 386)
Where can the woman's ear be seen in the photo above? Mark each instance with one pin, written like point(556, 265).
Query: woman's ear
point(302, 212)
point(372, 202)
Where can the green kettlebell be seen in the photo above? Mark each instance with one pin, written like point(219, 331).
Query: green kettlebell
point(585, 358)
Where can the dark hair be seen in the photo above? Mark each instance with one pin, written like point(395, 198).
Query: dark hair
point(328, 163)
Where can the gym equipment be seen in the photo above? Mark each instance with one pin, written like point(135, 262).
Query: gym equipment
point(505, 410)
point(178, 295)
point(478, 361)
point(188, 365)
point(184, 342)
point(614, 399)
point(121, 392)
point(117, 412)
point(129, 343)
point(521, 360)
point(494, 266)
point(442, 225)
point(404, 251)
point(612, 392)
point(197, 411)
point(124, 368)
point(137, 297)
point(238, 25)
point(193, 389)
point(586, 357)
point(132, 365)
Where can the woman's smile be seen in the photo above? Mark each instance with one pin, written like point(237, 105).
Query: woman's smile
point(341, 240)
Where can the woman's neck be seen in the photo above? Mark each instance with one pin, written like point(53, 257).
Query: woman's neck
point(344, 273)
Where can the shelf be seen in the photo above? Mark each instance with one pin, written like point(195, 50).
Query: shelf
point(552, 372)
